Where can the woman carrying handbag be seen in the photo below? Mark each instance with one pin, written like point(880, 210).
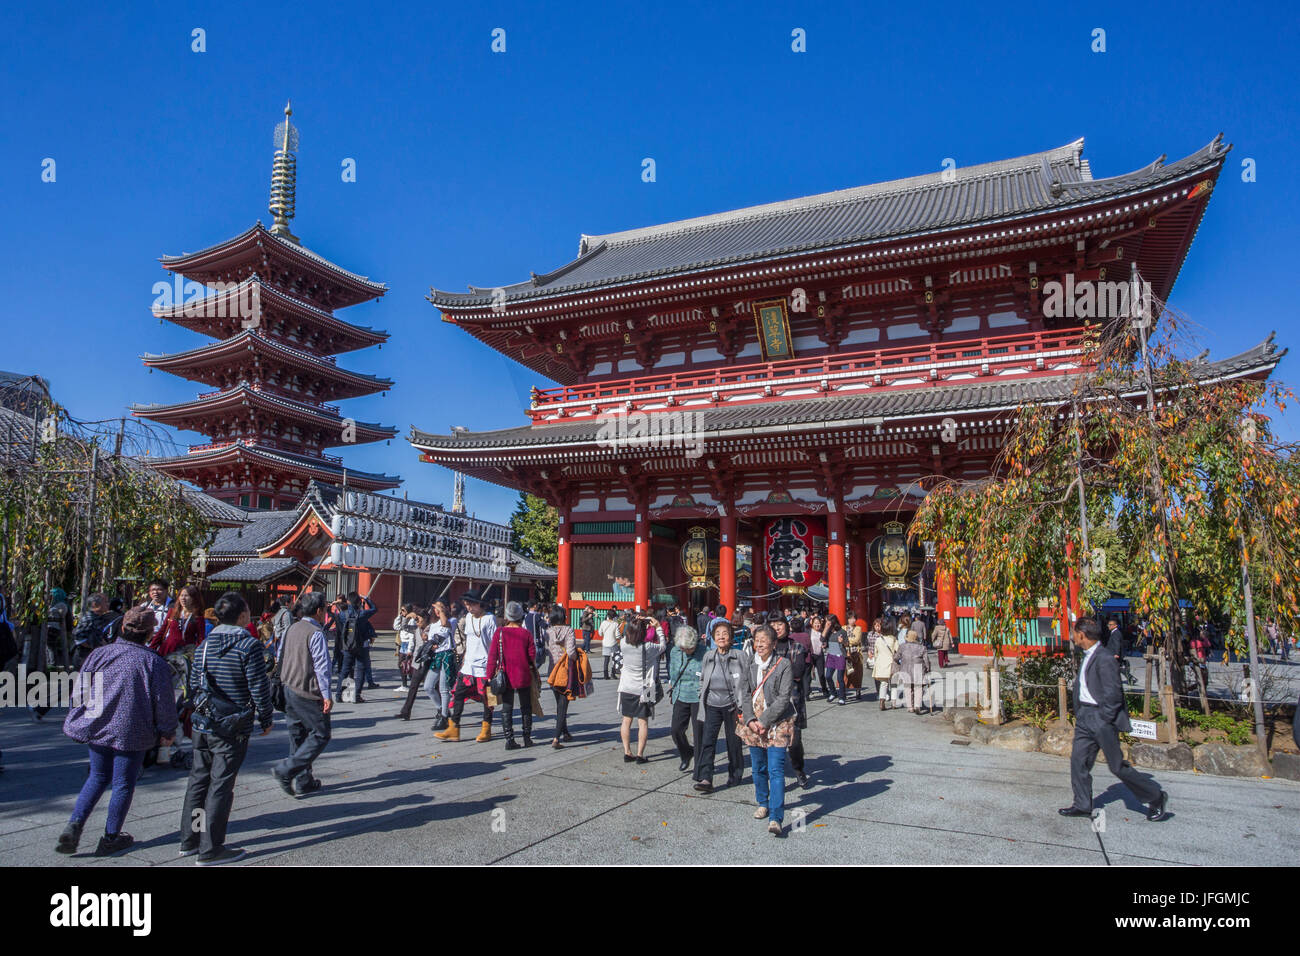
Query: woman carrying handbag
point(883, 670)
point(562, 646)
point(637, 688)
point(510, 671)
point(766, 725)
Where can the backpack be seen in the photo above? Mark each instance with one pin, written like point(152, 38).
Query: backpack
point(349, 621)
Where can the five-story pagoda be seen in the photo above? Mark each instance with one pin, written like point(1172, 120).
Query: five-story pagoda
point(269, 303)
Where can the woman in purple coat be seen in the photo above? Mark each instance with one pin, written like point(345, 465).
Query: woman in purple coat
point(123, 706)
point(515, 652)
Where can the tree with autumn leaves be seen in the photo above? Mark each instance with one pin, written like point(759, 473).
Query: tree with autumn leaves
point(535, 527)
point(72, 511)
point(1182, 467)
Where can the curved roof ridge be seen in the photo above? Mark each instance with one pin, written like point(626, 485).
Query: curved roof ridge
point(266, 340)
point(180, 307)
point(284, 244)
point(1069, 153)
point(1210, 150)
point(225, 393)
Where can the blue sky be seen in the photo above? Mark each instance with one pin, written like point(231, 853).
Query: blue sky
point(479, 167)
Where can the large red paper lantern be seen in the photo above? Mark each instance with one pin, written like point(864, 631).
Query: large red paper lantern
point(794, 553)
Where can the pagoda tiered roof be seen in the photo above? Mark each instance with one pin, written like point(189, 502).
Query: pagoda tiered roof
point(253, 457)
point(242, 400)
point(289, 265)
point(219, 315)
point(251, 356)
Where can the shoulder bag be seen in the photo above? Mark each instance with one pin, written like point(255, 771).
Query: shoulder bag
point(500, 682)
point(647, 697)
point(227, 719)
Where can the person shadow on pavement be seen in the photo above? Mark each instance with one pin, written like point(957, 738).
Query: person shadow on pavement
point(837, 784)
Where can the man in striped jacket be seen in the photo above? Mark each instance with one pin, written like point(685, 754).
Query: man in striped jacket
point(236, 677)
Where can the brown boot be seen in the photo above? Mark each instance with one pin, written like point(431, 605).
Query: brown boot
point(882, 703)
point(485, 734)
point(451, 733)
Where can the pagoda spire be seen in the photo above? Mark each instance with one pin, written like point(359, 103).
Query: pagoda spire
point(284, 174)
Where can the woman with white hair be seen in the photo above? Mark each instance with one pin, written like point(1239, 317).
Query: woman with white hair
point(913, 665)
point(685, 661)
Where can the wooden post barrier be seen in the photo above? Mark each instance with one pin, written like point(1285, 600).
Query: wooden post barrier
point(1146, 693)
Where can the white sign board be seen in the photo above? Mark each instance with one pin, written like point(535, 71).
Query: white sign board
point(1146, 729)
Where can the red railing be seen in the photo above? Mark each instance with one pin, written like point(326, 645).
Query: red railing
point(1031, 351)
point(194, 449)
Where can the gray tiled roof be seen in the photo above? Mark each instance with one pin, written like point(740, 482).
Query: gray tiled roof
point(263, 528)
point(830, 411)
point(257, 570)
point(528, 568)
point(15, 435)
point(991, 192)
point(213, 510)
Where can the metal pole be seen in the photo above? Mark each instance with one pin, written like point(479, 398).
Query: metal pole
point(1083, 499)
point(90, 527)
point(107, 568)
point(1252, 644)
point(343, 503)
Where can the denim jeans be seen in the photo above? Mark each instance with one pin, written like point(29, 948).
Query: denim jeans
point(358, 661)
point(439, 691)
point(835, 678)
point(768, 765)
point(108, 767)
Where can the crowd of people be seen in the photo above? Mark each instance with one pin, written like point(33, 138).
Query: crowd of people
point(170, 669)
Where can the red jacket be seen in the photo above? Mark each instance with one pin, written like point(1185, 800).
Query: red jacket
point(518, 656)
point(171, 639)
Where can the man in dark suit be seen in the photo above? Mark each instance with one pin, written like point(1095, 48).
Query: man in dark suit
point(1099, 717)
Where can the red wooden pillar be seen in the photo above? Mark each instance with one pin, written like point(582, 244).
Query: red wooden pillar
point(858, 575)
point(727, 563)
point(835, 561)
point(641, 560)
point(945, 599)
point(564, 578)
point(758, 574)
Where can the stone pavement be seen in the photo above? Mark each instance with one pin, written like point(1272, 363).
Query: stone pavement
point(886, 788)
